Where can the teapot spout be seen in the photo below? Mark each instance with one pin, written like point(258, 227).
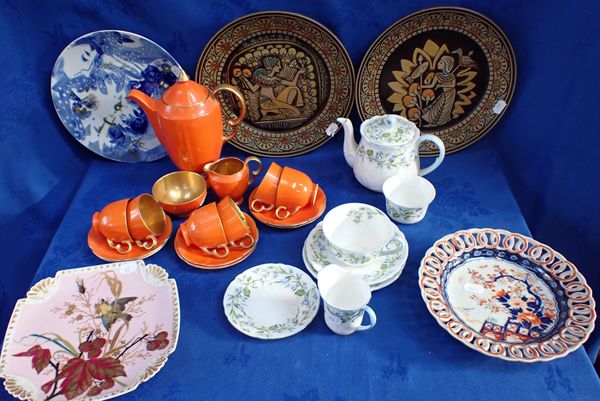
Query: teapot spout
point(350, 146)
point(148, 104)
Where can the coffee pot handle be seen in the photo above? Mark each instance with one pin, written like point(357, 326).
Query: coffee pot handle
point(240, 96)
point(440, 145)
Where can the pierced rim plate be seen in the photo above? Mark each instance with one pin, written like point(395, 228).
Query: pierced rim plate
point(102, 330)
point(450, 70)
point(380, 270)
point(296, 76)
point(271, 301)
point(374, 287)
point(506, 295)
point(89, 85)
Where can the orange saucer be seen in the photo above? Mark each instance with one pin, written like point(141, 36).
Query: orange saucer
point(196, 258)
point(100, 248)
point(304, 216)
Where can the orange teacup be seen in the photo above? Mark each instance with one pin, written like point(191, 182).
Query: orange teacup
point(146, 220)
point(204, 230)
point(295, 190)
point(231, 176)
point(234, 223)
point(264, 198)
point(111, 222)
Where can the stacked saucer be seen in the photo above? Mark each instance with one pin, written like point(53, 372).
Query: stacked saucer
point(361, 239)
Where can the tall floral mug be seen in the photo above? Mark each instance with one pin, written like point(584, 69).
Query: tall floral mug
point(345, 298)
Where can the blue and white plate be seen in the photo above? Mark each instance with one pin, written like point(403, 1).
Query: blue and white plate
point(89, 85)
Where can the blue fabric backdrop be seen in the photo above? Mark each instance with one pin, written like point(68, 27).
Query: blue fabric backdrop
point(546, 142)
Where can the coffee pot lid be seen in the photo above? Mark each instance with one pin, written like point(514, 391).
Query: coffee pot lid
point(185, 92)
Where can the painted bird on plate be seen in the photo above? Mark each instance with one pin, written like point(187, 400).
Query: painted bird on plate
point(111, 312)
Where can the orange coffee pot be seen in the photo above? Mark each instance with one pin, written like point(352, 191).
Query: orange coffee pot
point(187, 120)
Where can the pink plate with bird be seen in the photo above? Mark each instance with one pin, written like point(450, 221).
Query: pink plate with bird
point(91, 333)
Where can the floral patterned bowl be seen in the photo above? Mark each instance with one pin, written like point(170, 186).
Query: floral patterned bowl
point(506, 295)
point(407, 197)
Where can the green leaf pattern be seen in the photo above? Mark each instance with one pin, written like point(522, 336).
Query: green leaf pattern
point(392, 159)
point(403, 213)
point(363, 213)
point(344, 316)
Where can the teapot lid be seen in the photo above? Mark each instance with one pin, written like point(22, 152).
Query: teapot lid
point(185, 93)
point(389, 130)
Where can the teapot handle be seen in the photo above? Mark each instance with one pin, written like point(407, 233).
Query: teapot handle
point(438, 160)
point(240, 96)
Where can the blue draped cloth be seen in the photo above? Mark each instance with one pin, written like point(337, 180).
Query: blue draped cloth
point(543, 150)
point(406, 356)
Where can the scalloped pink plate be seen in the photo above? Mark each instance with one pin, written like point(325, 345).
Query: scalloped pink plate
point(91, 333)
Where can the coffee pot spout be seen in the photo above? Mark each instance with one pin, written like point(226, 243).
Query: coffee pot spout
point(350, 145)
point(148, 104)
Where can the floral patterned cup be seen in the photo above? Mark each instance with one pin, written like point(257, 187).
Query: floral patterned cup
point(407, 197)
point(345, 298)
point(358, 233)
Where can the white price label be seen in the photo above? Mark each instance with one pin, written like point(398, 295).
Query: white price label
point(499, 106)
point(128, 267)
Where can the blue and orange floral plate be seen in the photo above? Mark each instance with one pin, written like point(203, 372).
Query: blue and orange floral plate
point(89, 84)
point(506, 295)
point(91, 333)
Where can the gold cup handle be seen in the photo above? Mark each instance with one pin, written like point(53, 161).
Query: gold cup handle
point(119, 246)
point(258, 168)
point(259, 207)
point(215, 252)
point(240, 243)
point(149, 243)
point(287, 212)
point(240, 96)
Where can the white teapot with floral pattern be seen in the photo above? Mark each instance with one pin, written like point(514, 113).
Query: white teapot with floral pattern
point(389, 144)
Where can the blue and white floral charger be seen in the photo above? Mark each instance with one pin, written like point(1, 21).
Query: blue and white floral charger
point(90, 82)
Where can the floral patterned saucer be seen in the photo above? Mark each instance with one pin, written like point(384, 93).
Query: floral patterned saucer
point(271, 301)
point(506, 295)
point(380, 270)
point(303, 217)
point(374, 287)
point(196, 258)
point(90, 81)
point(97, 243)
point(91, 333)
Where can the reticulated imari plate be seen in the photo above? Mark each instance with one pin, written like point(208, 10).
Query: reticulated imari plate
point(271, 301)
point(506, 295)
point(89, 85)
point(91, 333)
point(296, 77)
point(450, 70)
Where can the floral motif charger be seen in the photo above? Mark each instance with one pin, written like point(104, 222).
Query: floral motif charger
point(90, 82)
point(450, 70)
point(91, 333)
point(271, 301)
point(296, 77)
point(507, 295)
